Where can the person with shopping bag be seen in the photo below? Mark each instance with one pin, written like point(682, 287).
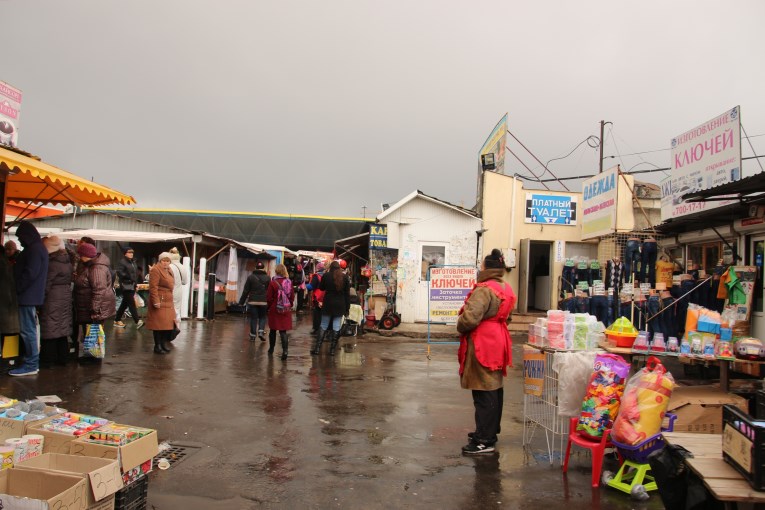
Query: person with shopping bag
point(94, 300)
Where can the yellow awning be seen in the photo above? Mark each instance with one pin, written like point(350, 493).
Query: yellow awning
point(33, 181)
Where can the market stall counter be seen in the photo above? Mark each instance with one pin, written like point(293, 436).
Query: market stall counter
point(722, 480)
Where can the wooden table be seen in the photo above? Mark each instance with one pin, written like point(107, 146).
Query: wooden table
point(722, 480)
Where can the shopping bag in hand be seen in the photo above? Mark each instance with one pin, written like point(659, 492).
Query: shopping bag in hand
point(94, 343)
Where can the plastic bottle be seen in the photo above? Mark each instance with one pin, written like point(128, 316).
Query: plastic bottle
point(672, 345)
point(685, 347)
point(641, 342)
point(658, 344)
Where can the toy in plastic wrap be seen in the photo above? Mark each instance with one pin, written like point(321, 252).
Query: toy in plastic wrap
point(750, 348)
point(604, 392)
point(644, 404)
point(622, 333)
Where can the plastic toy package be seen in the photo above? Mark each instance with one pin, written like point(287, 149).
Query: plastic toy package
point(604, 392)
point(644, 404)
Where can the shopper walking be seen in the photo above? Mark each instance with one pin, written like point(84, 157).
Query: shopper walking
point(161, 316)
point(94, 298)
point(254, 295)
point(279, 299)
point(337, 303)
point(30, 272)
point(127, 272)
point(486, 350)
point(56, 312)
point(317, 297)
point(180, 278)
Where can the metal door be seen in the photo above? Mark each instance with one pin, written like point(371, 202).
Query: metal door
point(523, 276)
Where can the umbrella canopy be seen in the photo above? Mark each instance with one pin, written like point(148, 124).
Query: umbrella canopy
point(32, 181)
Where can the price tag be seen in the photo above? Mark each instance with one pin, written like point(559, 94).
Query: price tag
point(645, 288)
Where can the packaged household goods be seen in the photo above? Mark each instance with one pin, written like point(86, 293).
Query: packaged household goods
point(604, 391)
point(643, 404)
point(114, 434)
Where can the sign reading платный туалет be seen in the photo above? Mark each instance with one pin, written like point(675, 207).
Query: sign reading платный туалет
point(448, 288)
point(550, 209)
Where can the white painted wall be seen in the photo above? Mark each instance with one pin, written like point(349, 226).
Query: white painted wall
point(423, 221)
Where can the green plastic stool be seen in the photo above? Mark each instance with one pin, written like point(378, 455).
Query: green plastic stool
point(632, 474)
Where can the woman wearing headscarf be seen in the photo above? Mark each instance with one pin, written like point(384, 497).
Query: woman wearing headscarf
point(56, 312)
point(94, 299)
point(161, 316)
point(279, 316)
point(181, 278)
point(485, 350)
point(337, 302)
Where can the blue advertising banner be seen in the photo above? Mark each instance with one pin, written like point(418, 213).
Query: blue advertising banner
point(550, 209)
point(378, 236)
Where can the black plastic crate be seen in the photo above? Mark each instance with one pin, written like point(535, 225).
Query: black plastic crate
point(133, 496)
point(744, 445)
point(759, 410)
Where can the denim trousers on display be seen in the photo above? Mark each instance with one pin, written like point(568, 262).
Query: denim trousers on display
point(569, 279)
point(582, 304)
point(631, 259)
point(668, 319)
point(648, 263)
point(583, 275)
point(599, 308)
point(652, 307)
point(28, 334)
point(612, 309)
point(595, 274)
point(568, 305)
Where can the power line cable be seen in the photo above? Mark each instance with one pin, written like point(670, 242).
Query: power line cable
point(752, 147)
point(536, 158)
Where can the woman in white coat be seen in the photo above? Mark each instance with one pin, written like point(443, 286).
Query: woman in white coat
point(181, 275)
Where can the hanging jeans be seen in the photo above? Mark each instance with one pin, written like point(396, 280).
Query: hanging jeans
point(613, 309)
point(631, 259)
point(582, 304)
point(595, 275)
point(681, 305)
point(583, 275)
point(599, 308)
point(653, 305)
point(569, 280)
point(568, 305)
point(648, 263)
point(668, 319)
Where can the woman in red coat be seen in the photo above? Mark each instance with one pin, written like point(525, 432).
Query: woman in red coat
point(279, 316)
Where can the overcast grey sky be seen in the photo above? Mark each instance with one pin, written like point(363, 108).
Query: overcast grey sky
point(322, 107)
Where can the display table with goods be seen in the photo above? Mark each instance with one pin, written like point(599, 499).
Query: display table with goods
point(52, 449)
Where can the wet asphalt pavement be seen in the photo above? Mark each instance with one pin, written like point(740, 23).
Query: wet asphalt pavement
point(377, 426)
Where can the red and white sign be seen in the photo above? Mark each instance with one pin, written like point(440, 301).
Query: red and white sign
point(707, 156)
point(10, 109)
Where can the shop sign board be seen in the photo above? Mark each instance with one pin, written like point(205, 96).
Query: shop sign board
point(449, 286)
point(707, 156)
point(533, 372)
point(550, 209)
point(494, 144)
point(378, 236)
point(599, 204)
point(10, 110)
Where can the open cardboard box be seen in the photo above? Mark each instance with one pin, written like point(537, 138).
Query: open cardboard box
point(41, 490)
point(130, 455)
point(699, 408)
point(102, 476)
point(54, 442)
point(16, 428)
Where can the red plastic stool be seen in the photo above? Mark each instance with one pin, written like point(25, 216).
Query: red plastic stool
point(596, 446)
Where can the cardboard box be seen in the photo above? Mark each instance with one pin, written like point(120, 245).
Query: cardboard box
point(699, 408)
point(54, 442)
point(102, 476)
point(130, 455)
point(16, 428)
point(41, 490)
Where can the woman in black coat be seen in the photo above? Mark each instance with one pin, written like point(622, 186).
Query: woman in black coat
point(337, 302)
point(56, 312)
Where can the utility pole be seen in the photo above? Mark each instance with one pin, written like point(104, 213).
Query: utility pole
point(602, 128)
point(364, 208)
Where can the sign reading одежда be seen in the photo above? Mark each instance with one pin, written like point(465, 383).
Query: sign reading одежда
point(599, 205)
point(449, 286)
